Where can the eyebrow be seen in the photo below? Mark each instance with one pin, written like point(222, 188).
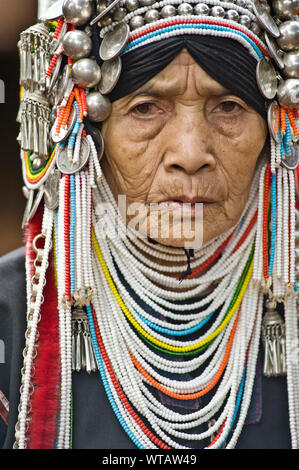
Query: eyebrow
point(160, 89)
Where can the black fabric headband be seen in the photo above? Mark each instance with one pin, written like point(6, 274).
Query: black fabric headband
point(225, 60)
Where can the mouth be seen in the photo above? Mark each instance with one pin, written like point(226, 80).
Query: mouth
point(185, 203)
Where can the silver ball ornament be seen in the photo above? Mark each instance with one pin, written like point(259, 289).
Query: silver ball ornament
point(201, 9)
point(289, 35)
point(168, 11)
point(119, 14)
point(218, 12)
point(146, 3)
point(291, 64)
point(77, 11)
point(136, 22)
point(151, 16)
point(232, 15)
point(288, 93)
point(132, 5)
point(286, 9)
point(77, 44)
point(245, 21)
point(98, 107)
point(37, 163)
point(86, 73)
point(185, 9)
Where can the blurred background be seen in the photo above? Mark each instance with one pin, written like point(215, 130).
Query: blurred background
point(16, 15)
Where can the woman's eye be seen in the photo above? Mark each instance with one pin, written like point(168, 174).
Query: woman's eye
point(229, 106)
point(143, 108)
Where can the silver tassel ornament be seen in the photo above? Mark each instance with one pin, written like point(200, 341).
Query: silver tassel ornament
point(273, 336)
point(83, 357)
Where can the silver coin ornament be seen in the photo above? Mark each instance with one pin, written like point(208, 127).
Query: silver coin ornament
point(266, 78)
point(265, 19)
point(274, 52)
point(273, 117)
point(51, 187)
point(114, 41)
point(98, 107)
point(291, 161)
point(77, 12)
point(86, 73)
point(98, 140)
point(77, 44)
point(110, 74)
point(291, 64)
point(289, 35)
point(286, 9)
point(67, 167)
point(288, 92)
point(53, 12)
point(64, 131)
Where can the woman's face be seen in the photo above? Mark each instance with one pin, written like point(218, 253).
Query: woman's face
point(180, 143)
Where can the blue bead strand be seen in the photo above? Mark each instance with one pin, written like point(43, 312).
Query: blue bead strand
point(170, 332)
point(274, 222)
point(105, 381)
point(72, 232)
point(185, 27)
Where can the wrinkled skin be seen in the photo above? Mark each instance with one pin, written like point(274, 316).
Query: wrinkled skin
point(183, 137)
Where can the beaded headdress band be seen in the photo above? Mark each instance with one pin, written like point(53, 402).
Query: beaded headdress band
point(64, 95)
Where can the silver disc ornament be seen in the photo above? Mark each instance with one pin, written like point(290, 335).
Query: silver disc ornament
point(54, 11)
point(291, 161)
point(110, 74)
point(64, 130)
point(266, 78)
point(274, 121)
point(98, 140)
point(275, 53)
point(265, 19)
point(67, 167)
point(114, 41)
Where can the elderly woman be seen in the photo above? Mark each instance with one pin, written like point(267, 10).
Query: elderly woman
point(158, 153)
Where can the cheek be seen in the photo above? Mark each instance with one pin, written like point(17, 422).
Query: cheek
point(129, 163)
point(238, 156)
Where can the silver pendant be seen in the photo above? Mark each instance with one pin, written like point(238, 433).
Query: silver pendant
point(110, 74)
point(66, 166)
point(274, 121)
point(83, 357)
point(291, 161)
point(265, 19)
point(273, 336)
point(266, 78)
point(114, 41)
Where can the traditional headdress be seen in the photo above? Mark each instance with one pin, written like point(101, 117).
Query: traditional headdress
point(96, 300)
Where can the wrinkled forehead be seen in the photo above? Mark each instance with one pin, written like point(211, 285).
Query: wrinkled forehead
point(224, 60)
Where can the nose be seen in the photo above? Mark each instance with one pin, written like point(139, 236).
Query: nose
point(189, 145)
